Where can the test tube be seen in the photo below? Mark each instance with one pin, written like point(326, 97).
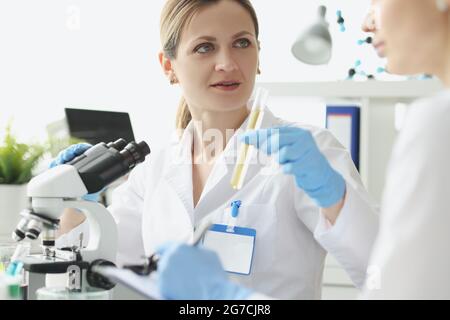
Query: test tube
point(246, 151)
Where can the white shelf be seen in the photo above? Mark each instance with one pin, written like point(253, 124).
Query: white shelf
point(355, 89)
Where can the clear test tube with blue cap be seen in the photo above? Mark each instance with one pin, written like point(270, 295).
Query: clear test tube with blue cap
point(246, 151)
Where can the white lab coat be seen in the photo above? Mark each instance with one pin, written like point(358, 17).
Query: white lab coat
point(156, 205)
point(411, 257)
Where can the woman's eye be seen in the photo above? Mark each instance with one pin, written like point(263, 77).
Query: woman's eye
point(204, 48)
point(242, 43)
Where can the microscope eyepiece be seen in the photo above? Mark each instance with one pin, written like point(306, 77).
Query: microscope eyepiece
point(119, 144)
point(104, 163)
point(135, 153)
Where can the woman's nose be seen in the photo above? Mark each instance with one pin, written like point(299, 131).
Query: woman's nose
point(226, 63)
point(369, 23)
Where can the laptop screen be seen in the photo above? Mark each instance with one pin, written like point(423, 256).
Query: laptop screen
point(95, 126)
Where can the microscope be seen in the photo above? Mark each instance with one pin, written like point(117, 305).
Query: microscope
point(62, 187)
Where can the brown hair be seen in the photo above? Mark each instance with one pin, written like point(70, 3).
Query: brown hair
point(175, 15)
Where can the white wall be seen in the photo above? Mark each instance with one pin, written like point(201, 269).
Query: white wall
point(110, 62)
point(282, 21)
point(103, 54)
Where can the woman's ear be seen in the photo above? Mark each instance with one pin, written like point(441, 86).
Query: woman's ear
point(166, 64)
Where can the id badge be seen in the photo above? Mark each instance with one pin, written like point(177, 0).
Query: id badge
point(234, 246)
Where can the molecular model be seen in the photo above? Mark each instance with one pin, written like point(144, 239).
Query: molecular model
point(354, 72)
point(340, 20)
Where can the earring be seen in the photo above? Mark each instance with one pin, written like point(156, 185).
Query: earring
point(442, 5)
point(173, 80)
point(258, 71)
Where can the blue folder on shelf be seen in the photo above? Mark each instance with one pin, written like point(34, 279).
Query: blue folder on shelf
point(344, 123)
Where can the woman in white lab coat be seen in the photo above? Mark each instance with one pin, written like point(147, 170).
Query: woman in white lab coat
point(411, 259)
point(298, 217)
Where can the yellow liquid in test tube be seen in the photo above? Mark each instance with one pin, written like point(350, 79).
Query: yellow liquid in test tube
point(246, 151)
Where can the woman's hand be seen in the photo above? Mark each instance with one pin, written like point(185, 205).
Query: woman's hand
point(298, 154)
point(191, 273)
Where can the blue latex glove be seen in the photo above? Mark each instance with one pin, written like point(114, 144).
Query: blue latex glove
point(299, 156)
point(191, 273)
point(68, 155)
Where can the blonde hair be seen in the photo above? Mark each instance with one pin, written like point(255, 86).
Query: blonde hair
point(175, 15)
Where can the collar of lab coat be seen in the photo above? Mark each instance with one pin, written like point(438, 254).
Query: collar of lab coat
point(179, 170)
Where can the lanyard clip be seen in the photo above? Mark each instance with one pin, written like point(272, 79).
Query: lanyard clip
point(235, 205)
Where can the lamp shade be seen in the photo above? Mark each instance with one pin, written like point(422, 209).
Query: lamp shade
point(314, 44)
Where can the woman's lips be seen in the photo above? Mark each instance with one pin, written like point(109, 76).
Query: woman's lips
point(226, 86)
point(380, 48)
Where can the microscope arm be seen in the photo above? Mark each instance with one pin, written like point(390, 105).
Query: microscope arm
point(102, 230)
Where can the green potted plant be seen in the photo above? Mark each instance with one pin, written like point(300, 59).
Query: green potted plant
point(17, 161)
